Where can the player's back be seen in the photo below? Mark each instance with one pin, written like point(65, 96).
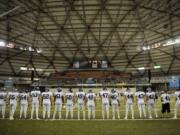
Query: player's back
point(105, 96)
point(58, 96)
point(129, 96)
point(46, 96)
point(80, 96)
point(23, 97)
point(69, 97)
point(165, 98)
point(35, 95)
point(114, 97)
point(177, 96)
point(140, 96)
point(3, 96)
point(13, 97)
point(90, 97)
point(151, 97)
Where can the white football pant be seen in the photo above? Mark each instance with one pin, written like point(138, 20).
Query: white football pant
point(58, 108)
point(81, 108)
point(12, 110)
point(152, 106)
point(91, 110)
point(177, 106)
point(69, 108)
point(35, 107)
point(23, 110)
point(46, 108)
point(105, 109)
point(129, 105)
point(141, 107)
point(115, 108)
point(3, 109)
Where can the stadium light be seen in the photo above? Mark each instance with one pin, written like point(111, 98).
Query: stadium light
point(23, 68)
point(157, 67)
point(30, 69)
point(141, 68)
point(39, 50)
point(171, 42)
point(2, 43)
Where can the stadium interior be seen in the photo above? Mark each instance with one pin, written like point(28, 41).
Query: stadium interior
point(90, 44)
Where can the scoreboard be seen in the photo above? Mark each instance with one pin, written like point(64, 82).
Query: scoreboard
point(91, 64)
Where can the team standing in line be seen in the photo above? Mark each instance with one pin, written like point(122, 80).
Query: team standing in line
point(86, 100)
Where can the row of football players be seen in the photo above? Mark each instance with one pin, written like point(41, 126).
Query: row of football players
point(107, 98)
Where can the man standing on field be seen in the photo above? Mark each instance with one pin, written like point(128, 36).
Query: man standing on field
point(177, 104)
point(105, 96)
point(129, 99)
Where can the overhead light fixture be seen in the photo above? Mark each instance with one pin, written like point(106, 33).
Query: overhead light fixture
point(2, 43)
point(23, 68)
point(141, 68)
point(171, 42)
point(30, 69)
point(160, 44)
point(156, 67)
point(39, 50)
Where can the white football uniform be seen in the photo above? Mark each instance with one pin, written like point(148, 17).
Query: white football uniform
point(46, 97)
point(129, 103)
point(69, 103)
point(23, 104)
point(105, 94)
point(177, 104)
point(91, 104)
point(3, 96)
point(35, 103)
point(141, 105)
point(151, 96)
point(177, 96)
point(58, 103)
point(81, 96)
point(13, 103)
point(115, 104)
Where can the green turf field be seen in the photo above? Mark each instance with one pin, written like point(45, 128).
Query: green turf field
point(92, 127)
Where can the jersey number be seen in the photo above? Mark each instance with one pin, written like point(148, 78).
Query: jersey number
point(12, 97)
point(105, 95)
point(46, 96)
point(69, 97)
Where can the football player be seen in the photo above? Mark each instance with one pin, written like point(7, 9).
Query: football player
point(115, 103)
point(91, 98)
point(150, 99)
point(177, 104)
point(46, 102)
point(35, 94)
point(80, 99)
point(58, 100)
point(105, 96)
point(13, 96)
point(140, 96)
point(23, 97)
point(69, 103)
point(165, 99)
point(3, 96)
point(129, 100)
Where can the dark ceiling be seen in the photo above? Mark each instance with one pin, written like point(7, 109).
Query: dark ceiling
point(68, 30)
